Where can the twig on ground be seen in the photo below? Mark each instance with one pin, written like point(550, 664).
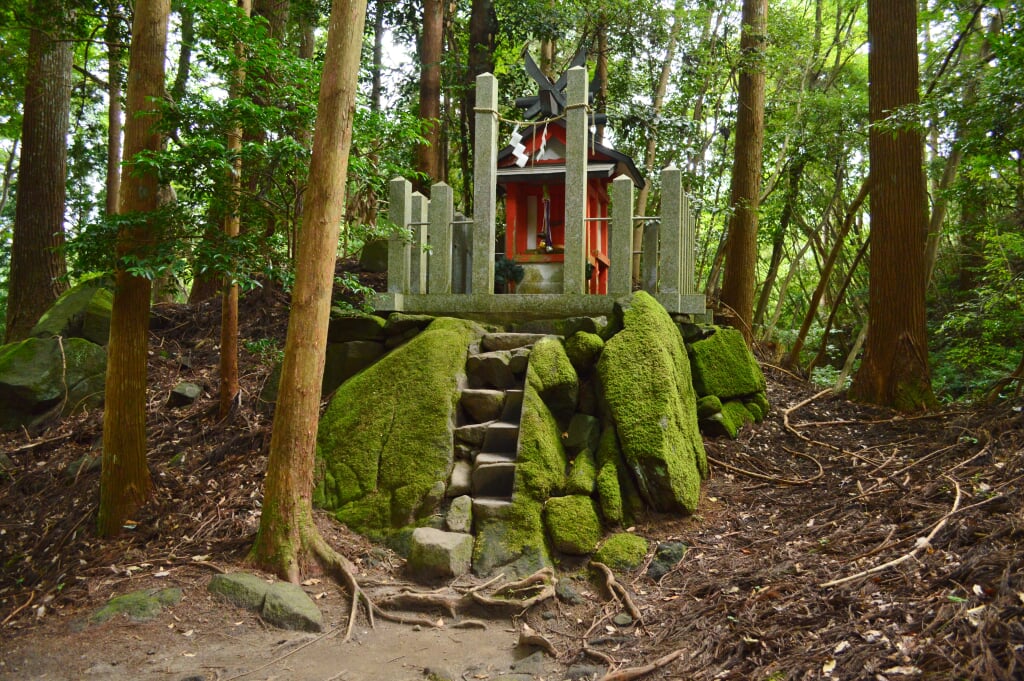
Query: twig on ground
point(636, 672)
point(21, 607)
point(773, 478)
point(922, 543)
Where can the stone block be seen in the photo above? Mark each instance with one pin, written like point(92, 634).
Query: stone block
point(435, 553)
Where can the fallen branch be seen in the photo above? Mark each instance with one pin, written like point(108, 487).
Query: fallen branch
point(618, 591)
point(636, 672)
point(21, 607)
point(922, 543)
point(774, 478)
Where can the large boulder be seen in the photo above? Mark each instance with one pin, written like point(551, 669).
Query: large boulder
point(83, 311)
point(645, 376)
point(385, 440)
point(40, 376)
point(724, 366)
point(552, 374)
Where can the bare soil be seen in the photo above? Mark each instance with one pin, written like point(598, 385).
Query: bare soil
point(928, 508)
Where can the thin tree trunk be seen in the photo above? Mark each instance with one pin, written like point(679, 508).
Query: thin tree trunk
point(229, 296)
point(114, 75)
point(38, 266)
point(5, 189)
point(601, 73)
point(793, 359)
point(741, 244)
point(820, 356)
point(784, 289)
point(894, 371)
point(286, 530)
point(125, 483)
point(376, 71)
point(778, 239)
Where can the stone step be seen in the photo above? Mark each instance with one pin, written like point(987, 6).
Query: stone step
point(493, 479)
point(484, 404)
point(491, 370)
point(484, 458)
point(501, 437)
point(512, 410)
point(488, 508)
point(508, 341)
point(472, 434)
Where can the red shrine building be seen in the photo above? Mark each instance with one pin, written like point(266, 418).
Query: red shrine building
point(531, 176)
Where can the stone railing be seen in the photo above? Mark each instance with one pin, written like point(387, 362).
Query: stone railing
point(444, 270)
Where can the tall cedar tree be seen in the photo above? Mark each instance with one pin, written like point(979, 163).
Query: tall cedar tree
point(894, 371)
point(428, 154)
point(741, 244)
point(37, 252)
point(287, 532)
point(124, 482)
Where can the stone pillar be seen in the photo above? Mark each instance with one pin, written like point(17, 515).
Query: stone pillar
point(485, 176)
point(671, 229)
point(687, 244)
point(574, 275)
point(441, 211)
point(418, 270)
point(399, 212)
point(649, 257)
point(462, 245)
point(620, 248)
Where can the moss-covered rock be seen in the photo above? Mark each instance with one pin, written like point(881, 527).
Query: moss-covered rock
point(41, 376)
point(512, 539)
point(734, 415)
point(83, 311)
point(351, 325)
point(622, 551)
point(761, 400)
point(724, 366)
point(573, 524)
point(554, 378)
point(755, 410)
point(609, 491)
point(582, 474)
point(541, 462)
point(708, 406)
point(139, 606)
point(645, 376)
point(386, 437)
point(583, 350)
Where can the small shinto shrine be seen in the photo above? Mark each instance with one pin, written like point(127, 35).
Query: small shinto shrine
point(532, 174)
point(568, 213)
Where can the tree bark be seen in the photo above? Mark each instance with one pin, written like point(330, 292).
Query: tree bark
point(894, 371)
point(229, 295)
point(114, 75)
point(286, 530)
point(38, 266)
point(125, 483)
point(376, 72)
point(741, 245)
point(428, 154)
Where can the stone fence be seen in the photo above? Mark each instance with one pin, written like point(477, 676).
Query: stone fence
point(443, 269)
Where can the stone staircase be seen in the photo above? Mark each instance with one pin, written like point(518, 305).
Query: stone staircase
point(487, 437)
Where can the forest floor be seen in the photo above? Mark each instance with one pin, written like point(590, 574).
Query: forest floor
point(919, 519)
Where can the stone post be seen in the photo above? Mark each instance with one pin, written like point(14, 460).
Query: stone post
point(462, 244)
point(687, 243)
point(485, 176)
point(620, 278)
point(649, 257)
point(441, 211)
point(399, 212)
point(576, 126)
point(671, 229)
point(418, 270)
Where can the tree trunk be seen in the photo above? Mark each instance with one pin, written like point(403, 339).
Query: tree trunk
point(378, 56)
point(229, 295)
point(124, 482)
point(779, 238)
point(483, 29)
point(114, 75)
point(5, 187)
point(286, 526)
point(820, 356)
point(38, 266)
point(894, 371)
point(428, 154)
point(741, 245)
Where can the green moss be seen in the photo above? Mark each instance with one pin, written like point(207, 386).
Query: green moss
point(609, 492)
point(622, 551)
point(734, 416)
point(761, 400)
point(755, 411)
point(724, 366)
point(645, 375)
point(708, 405)
point(541, 463)
point(583, 349)
point(582, 474)
point(552, 375)
point(573, 524)
point(513, 541)
point(385, 439)
point(138, 605)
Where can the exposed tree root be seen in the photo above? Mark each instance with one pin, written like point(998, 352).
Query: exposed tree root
point(618, 591)
point(636, 672)
point(340, 568)
point(540, 584)
point(528, 637)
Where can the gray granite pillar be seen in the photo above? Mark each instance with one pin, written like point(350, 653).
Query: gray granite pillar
point(620, 247)
point(688, 244)
point(399, 212)
point(441, 214)
point(576, 126)
point(418, 259)
point(649, 256)
point(485, 175)
point(671, 228)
